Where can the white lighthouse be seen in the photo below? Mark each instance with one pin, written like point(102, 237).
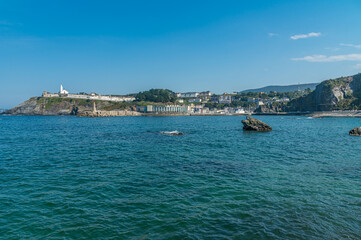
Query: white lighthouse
point(62, 90)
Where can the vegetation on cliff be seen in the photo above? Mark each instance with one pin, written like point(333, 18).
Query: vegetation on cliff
point(334, 94)
point(157, 96)
point(64, 106)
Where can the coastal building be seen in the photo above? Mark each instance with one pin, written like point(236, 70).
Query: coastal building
point(195, 100)
point(48, 94)
point(214, 99)
point(187, 95)
point(205, 110)
point(93, 96)
point(259, 102)
point(202, 95)
point(205, 94)
point(224, 99)
point(239, 111)
point(62, 90)
point(163, 109)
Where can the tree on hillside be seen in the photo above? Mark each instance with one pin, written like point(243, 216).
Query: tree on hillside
point(156, 95)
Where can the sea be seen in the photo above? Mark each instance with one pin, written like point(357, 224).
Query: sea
point(65, 177)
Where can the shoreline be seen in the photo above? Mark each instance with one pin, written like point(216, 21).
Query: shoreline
point(325, 114)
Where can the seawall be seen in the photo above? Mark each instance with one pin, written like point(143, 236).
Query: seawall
point(109, 113)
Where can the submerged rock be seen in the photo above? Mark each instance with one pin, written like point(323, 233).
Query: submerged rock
point(252, 124)
point(355, 131)
point(172, 133)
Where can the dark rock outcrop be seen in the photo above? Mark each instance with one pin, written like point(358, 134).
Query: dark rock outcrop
point(43, 106)
point(355, 132)
point(252, 124)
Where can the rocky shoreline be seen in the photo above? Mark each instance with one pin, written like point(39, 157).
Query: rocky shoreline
point(335, 114)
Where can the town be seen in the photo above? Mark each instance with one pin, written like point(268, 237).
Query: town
point(163, 101)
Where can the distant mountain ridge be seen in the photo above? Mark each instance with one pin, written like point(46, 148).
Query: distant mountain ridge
point(285, 88)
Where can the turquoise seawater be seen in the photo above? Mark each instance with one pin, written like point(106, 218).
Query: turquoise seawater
point(118, 178)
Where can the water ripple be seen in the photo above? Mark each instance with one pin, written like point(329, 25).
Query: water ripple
point(117, 178)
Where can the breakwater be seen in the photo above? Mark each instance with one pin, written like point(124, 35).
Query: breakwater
point(349, 113)
point(134, 113)
point(109, 113)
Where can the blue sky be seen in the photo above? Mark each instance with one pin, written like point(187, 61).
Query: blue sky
point(119, 47)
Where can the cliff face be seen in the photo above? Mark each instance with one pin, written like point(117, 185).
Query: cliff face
point(334, 94)
point(60, 106)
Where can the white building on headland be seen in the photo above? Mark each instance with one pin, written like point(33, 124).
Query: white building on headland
point(65, 94)
point(62, 90)
point(194, 94)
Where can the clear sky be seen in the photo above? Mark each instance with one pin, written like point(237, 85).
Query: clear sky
point(119, 47)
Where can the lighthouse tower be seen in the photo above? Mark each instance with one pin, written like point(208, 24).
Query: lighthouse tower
point(94, 107)
point(62, 90)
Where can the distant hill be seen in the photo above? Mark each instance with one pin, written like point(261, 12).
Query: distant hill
point(287, 88)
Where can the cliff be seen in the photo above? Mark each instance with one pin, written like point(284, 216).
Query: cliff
point(62, 106)
point(335, 94)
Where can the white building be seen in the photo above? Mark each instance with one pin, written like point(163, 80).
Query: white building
point(188, 95)
point(62, 90)
point(260, 103)
point(65, 94)
point(194, 94)
point(239, 110)
point(195, 100)
point(225, 99)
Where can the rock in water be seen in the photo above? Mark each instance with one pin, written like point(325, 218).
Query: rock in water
point(355, 131)
point(172, 133)
point(252, 124)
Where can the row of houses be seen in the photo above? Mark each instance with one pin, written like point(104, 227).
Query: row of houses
point(163, 109)
point(261, 102)
point(203, 97)
point(191, 109)
point(255, 100)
